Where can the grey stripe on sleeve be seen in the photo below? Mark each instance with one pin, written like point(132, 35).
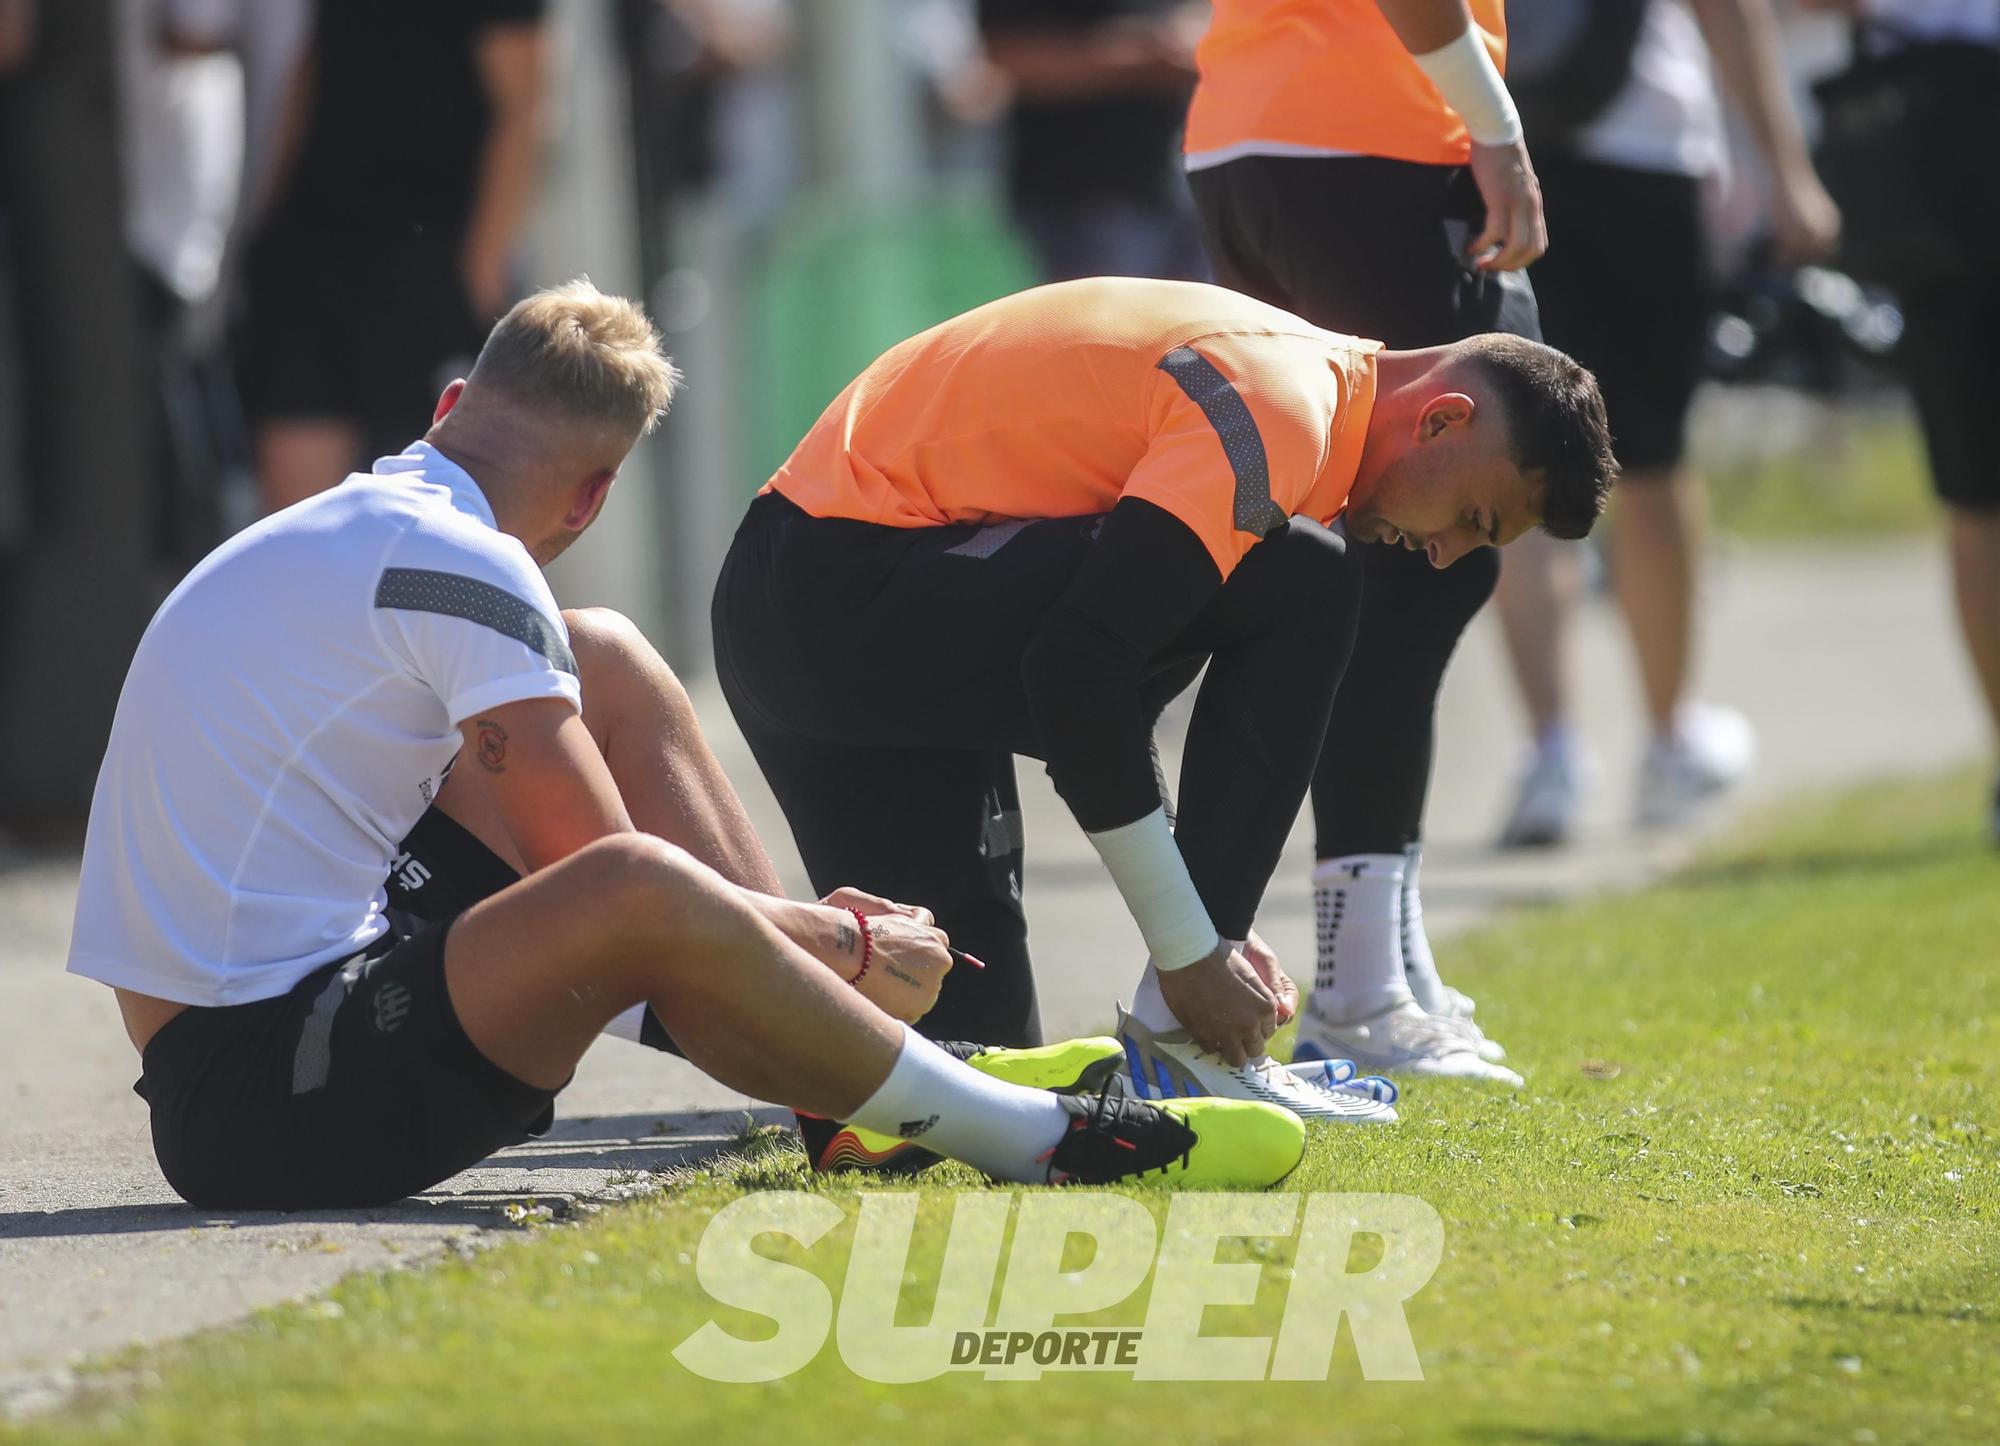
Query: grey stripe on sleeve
point(422, 590)
point(1242, 444)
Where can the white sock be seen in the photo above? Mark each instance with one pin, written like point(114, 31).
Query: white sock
point(1419, 966)
point(1149, 1004)
point(955, 1110)
point(1357, 904)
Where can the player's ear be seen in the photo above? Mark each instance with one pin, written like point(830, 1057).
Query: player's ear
point(448, 400)
point(588, 499)
point(1443, 412)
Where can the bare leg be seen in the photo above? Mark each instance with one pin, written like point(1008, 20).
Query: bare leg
point(1538, 593)
point(537, 970)
point(1656, 546)
point(1975, 570)
point(645, 725)
point(298, 457)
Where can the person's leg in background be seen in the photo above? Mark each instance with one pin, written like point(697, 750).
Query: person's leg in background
point(1374, 248)
point(1644, 343)
point(297, 391)
point(1950, 357)
point(1111, 236)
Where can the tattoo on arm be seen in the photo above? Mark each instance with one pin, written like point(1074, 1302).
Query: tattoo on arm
point(843, 936)
point(492, 746)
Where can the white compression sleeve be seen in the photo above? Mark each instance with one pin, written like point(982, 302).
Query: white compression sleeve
point(1152, 877)
point(1470, 83)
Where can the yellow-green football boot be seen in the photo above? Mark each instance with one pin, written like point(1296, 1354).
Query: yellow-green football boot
point(1191, 1144)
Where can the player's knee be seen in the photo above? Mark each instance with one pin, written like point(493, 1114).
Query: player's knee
point(610, 649)
point(603, 637)
point(641, 888)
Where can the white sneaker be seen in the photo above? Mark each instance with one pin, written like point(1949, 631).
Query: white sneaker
point(1710, 750)
point(1458, 1008)
point(1402, 1039)
point(1546, 800)
point(1171, 1065)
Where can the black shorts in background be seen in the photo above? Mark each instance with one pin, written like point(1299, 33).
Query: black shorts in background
point(1360, 245)
point(1624, 289)
point(1950, 358)
point(356, 1088)
point(356, 327)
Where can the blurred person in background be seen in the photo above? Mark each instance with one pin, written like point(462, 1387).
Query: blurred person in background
point(269, 40)
point(1100, 90)
point(1624, 191)
point(1361, 164)
point(400, 218)
point(1912, 149)
point(182, 113)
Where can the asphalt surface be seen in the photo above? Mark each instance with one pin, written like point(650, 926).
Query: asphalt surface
point(1846, 658)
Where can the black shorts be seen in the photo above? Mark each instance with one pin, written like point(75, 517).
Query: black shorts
point(1359, 244)
point(442, 869)
point(356, 1088)
point(366, 329)
point(1625, 290)
point(1950, 357)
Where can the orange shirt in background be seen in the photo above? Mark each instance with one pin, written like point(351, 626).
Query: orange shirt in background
point(1056, 402)
point(1324, 75)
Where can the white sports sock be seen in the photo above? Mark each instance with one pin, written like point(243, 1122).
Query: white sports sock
point(1149, 1004)
point(955, 1110)
point(1357, 904)
point(1419, 966)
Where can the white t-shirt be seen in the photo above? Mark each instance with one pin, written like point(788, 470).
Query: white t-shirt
point(1667, 117)
point(289, 715)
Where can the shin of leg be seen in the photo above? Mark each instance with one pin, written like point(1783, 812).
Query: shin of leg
point(299, 457)
point(1657, 540)
point(645, 725)
point(1373, 774)
point(1975, 567)
point(1539, 587)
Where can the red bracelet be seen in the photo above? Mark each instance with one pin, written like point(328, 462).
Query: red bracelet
point(867, 947)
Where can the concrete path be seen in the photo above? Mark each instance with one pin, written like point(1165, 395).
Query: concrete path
point(1845, 657)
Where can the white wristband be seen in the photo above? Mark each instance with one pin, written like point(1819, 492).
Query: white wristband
point(1152, 877)
point(1466, 77)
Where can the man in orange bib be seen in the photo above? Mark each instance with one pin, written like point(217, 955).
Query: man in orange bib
point(1027, 529)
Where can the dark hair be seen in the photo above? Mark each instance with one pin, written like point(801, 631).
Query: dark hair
point(1555, 426)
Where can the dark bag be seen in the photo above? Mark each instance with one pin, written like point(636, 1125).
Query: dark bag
point(1910, 151)
point(1567, 60)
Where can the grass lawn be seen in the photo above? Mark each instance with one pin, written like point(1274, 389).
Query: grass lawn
point(1750, 1194)
point(1859, 473)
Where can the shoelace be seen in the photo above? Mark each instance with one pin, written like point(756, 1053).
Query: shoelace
point(1343, 1074)
point(1085, 1145)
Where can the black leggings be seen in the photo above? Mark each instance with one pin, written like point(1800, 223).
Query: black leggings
point(1373, 248)
point(876, 673)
